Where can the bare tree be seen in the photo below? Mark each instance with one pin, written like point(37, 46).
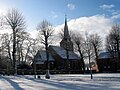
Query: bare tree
point(79, 42)
point(113, 39)
point(6, 45)
point(61, 33)
point(96, 42)
point(21, 36)
point(16, 22)
point(113, 42)
point(2, 21)
point(28, 43)
point(26, 47)
point(89, 52)
point(34, 47)
point(110, 45)
point(46, 30)
point(115, 35)
point(33, 50)
point(24, 43)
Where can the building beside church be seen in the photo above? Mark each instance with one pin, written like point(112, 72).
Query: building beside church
point(61, 57)
point(106, 62)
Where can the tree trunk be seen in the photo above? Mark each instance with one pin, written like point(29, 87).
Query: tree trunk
point(14, 52)
point(47, 56)
point(11, 62)
point(81, 55)
point(90, 67)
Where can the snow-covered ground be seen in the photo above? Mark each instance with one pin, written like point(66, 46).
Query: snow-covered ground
point(61, 82)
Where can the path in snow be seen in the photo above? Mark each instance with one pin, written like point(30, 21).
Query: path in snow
point(61, 82)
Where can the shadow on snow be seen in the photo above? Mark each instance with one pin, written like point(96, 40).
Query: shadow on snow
point(14, 84)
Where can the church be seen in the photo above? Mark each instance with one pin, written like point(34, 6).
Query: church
point(62, 58)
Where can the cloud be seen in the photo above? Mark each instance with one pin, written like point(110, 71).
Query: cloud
point(93, 24)
point(33, 33)
point(71, 6)
point(113, 13)
point(54, 15)
point(5, 30)
point(106, 6)
point(116, 16)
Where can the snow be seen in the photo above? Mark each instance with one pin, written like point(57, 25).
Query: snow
point(105, 81)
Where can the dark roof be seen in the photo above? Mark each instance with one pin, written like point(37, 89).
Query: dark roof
point(104, 55)
point(41, 57)
point(62, 53)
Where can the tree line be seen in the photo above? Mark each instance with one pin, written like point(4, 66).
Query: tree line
point(19, 48)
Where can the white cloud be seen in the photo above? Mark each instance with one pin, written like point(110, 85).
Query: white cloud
point(54, 15)
point(2, 31)
point(115, 12)
point(93, 24)
point(33, 33)
point(71, 6)
point(117, 16)
point(106, 6)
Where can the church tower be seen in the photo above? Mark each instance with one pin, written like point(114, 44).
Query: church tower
point(66, 42)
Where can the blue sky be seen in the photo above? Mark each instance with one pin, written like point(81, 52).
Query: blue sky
point(54, 11)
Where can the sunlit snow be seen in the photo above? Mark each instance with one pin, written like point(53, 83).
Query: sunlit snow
point(61, 82)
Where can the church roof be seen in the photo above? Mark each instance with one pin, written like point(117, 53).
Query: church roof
point(62, 53)
point(104, 55)
point(41, 57)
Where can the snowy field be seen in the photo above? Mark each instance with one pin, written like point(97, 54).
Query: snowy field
point(61, 82)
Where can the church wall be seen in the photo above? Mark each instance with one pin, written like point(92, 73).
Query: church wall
point(58, 60)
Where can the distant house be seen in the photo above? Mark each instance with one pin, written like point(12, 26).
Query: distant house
point(106, 63)
point(60, 57)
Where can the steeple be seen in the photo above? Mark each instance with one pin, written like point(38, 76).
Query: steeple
point(66, 42)
point(66, 32)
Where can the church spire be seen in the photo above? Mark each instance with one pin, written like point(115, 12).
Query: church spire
point(66, 32)
point(66, 41)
